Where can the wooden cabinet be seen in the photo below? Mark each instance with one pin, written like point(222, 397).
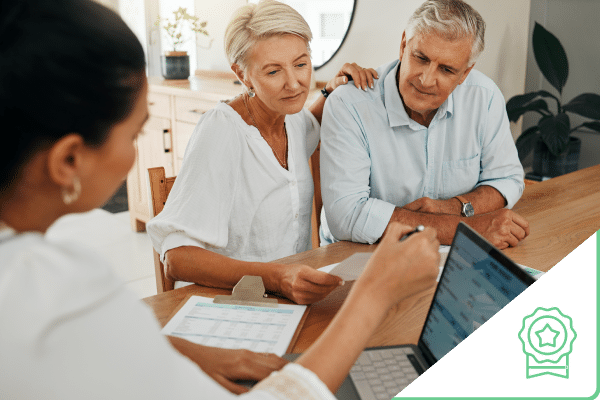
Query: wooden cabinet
point(175, 108)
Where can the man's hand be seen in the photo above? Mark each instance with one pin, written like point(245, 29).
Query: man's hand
point(426, 205)
point(305, 285)
point(227, 365)
point(503, 228)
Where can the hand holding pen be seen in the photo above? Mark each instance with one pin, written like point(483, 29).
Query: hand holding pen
point(418, 228)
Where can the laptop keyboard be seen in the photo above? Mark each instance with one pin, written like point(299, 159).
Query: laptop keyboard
point(379, 374)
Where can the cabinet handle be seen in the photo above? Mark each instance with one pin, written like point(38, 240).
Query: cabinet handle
point(151, 103)
point(167, 140)
point(196, 111)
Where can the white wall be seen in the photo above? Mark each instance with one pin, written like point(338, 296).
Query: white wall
point(374, 37)
point(211, 52)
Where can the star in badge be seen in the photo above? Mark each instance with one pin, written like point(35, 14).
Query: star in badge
point(547, 336)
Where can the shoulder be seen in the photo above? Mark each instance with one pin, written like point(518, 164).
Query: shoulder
point(223, 117)
point(479, 86)
point(221, 127)
point(350, 95)
point(51, 279)
point(477, 80)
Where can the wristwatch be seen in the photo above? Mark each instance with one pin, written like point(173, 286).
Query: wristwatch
point(324, 91)
point(467, 207)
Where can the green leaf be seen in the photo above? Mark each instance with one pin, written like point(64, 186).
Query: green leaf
point(554, 131)
point(526, 141)
point(550, 57)
point(519, 101)
point(593, 125)
point(538, 105)
point(586, 104)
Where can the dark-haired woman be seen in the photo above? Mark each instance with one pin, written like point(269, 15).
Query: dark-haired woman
point(73, 98)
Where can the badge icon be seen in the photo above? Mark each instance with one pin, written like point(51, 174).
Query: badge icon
point(547, 336)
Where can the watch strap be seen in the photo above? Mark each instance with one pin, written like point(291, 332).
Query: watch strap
point(462, 199)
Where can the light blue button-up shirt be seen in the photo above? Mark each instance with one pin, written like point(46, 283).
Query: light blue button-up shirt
point(375, 158)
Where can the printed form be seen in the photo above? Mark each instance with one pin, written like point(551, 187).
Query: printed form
point(260, 329)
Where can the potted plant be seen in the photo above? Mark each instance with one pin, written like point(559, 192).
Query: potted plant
point(176, 64)
point(556, 151)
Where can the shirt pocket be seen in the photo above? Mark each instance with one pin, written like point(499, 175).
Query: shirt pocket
point(459, 176)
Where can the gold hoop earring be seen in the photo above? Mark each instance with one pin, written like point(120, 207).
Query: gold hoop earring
point(251, 92)
point(70, 196)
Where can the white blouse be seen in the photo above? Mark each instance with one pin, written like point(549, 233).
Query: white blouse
point(70, 330)
point(232, 197)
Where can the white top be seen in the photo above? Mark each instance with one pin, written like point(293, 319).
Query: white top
point(232, 196)
point(71, 331)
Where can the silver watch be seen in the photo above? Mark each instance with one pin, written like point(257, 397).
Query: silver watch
point(467, 207)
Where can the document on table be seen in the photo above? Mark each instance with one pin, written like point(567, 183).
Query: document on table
point(260, 329)
point(351, 268)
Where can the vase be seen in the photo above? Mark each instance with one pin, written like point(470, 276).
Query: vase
point(547, 164)
point(175, 65)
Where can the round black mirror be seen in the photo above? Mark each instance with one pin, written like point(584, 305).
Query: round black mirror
point(329, 22)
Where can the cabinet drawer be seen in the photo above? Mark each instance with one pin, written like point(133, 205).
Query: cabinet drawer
point(159, 105)
point(183, 133)
point(188, 109)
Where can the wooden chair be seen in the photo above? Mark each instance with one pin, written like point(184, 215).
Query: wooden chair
point(315, 169)
point(160, 187)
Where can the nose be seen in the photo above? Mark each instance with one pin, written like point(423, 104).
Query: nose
point(428, 77)
point(292, 81)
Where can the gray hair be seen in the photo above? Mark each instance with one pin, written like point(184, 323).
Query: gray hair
point(254, 22)
point(451, 19)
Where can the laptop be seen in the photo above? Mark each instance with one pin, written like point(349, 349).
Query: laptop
point(477, 281)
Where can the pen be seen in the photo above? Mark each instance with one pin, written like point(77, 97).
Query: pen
point(418, 228)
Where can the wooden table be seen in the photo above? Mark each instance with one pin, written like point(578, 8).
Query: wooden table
point(563, 212)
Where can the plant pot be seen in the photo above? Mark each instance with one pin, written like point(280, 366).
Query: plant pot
point(175, 65)
point(547, 164)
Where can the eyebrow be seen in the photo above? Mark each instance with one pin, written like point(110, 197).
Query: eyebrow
point(277, 65)
point(417, 52)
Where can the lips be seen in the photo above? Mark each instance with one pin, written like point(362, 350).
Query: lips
point(422, 92)
point(294, 97)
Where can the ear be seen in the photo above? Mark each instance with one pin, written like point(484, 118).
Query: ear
point(466, 73)
point(402, 45)
point(239, 72)
point(65, 159)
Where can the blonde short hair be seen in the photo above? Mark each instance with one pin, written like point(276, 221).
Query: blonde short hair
point(254, 22)
point(451, 19)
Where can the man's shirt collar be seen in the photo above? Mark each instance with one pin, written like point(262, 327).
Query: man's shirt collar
point(394, 106)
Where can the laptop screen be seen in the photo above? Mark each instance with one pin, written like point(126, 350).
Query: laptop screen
point(476, 283)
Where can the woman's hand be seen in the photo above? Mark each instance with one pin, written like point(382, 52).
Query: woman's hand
point(398, 270)
point(362, 77)
point(305, 285)
point(228, 365)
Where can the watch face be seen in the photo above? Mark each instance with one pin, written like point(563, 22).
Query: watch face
point(468, 210)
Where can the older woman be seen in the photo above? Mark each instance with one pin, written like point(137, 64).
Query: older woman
point(244, 193)
point(70, 330)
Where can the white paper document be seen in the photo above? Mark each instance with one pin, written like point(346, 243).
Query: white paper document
point(351, 268)
point(260, 329)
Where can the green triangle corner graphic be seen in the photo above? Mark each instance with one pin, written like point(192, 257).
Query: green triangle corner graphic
point(490, 362)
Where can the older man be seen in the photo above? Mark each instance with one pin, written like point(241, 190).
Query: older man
point(429, 144)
